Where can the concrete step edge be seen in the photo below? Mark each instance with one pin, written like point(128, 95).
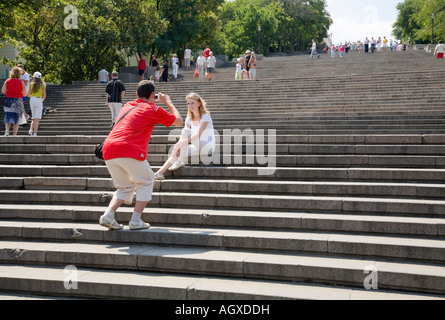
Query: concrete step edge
point(144, 285)
point(427, 278)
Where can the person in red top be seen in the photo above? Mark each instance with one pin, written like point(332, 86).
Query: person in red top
point(125, 152)
point(14, 89)
point(207, 52)
point(142, 65)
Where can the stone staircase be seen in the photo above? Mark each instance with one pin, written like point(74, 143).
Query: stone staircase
point(356, 191)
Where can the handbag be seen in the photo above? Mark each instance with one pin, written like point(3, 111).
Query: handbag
point(196, 73)
point(98, 151)
point(23, 119)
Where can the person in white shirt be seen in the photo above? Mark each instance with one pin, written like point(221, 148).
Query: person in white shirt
point(239, 69)
point(314, 49)
point(366, 42)
point(103, 76)
point(211, 65)
point(187, 55)
point(25, 79)
point(175, 65)
point(197, 137)
point(200, 65)
point(440, 50)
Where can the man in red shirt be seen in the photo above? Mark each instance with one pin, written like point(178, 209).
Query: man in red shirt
point(125, 153)
point(142, 65)
point(207, 52)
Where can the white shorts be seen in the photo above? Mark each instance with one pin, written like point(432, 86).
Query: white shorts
point(36, 105)
point(115, 108)
point(199, 147)
point(130, 175)
point(187, 62)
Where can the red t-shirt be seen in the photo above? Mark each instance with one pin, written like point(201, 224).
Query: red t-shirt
point(130, 137)
point(142, 65)
point(207, 53)
point(14, 88)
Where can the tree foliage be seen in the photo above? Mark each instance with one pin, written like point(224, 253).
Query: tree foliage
point(414, 20)
point(74, 44)
point(286, 25)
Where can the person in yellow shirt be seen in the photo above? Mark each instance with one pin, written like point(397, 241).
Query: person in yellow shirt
point(37, 94)
point(385, 43)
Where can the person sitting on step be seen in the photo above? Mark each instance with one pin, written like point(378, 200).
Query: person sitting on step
point(197, 137)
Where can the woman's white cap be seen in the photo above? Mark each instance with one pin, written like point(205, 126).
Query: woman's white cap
point(37, 75)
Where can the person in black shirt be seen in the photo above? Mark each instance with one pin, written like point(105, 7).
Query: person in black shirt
point(164, 71)
point(247, 59)
point(115, 92)
point(154, 61)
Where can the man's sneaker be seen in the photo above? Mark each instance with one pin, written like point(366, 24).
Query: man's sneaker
point(110, 223)
point(138, 225)
point(6, 133)
point(34, 134)
point(30, 132)
point(159, 176)
point(177, 165)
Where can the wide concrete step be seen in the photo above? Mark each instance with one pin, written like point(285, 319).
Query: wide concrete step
point(368, 205)
point(280, 130)
point(146, 285)
point(302, 110)
point(290, 122)
point(366, 86)
point(369, 246)
point(373, 139)
point(334, 270)
point(233, 186)
point(241, 148)
point(252, 135)
point(327, 160)
point(433, 228)
point(243, 173)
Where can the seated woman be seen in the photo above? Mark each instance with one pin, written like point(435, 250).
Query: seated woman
point(197, 137)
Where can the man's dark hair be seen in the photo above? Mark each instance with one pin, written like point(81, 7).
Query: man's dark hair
point(145, 88)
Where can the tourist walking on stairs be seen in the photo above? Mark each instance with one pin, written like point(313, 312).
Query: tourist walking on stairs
point(37, 94)
point(125, 153)
point(314, 49)
point(211, 65)
point(15, 90)
point(115, 93)
point(200, 66)
point(175, 65)
point(253, 65)
point(440, 50)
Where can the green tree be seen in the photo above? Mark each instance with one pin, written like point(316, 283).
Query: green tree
point(192, 23)
point(241, 20)
point(414, 20)
point(74, 45)
point(407, 25)
point(287, 25)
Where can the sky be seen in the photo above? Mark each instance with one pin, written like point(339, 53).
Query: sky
point(354, 20)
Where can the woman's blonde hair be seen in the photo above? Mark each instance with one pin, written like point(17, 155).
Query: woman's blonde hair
point(16, 73)
point(202, 106)
point(36, 85)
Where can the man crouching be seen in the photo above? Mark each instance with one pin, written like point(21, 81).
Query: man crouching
point(125, 153)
